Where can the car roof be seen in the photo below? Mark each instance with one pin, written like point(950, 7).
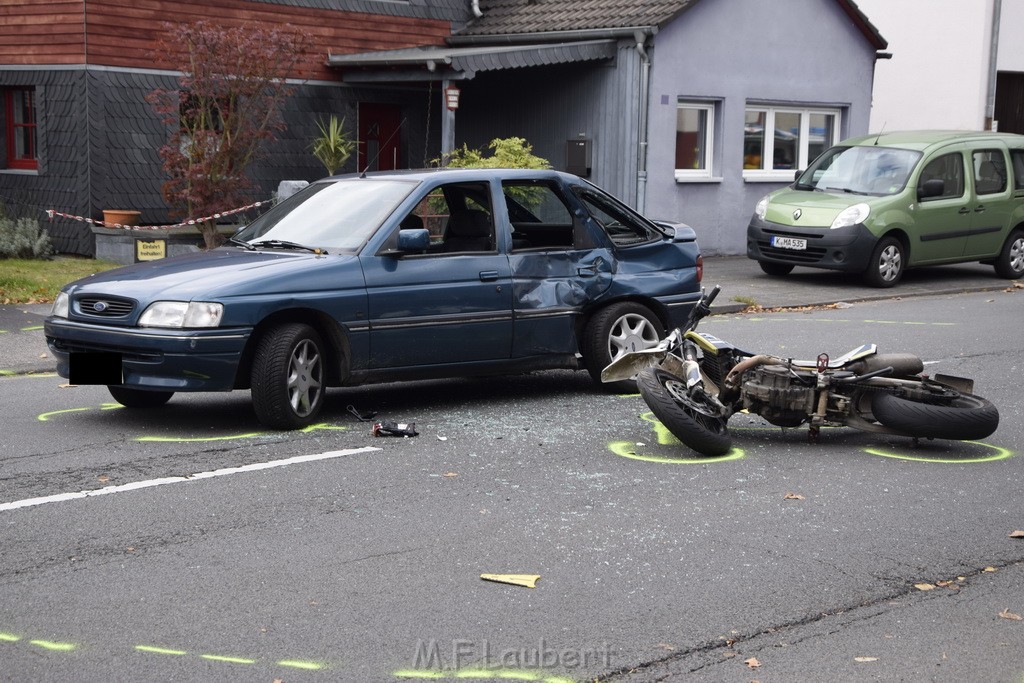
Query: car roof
point(461, 174)
point(923, 139)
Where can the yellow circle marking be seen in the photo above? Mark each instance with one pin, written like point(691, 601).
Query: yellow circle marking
point(998, 454)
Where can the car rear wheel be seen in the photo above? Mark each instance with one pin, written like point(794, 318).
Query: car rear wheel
point(1010, 262)
point(887, 263)
point(139, 398)
point(288, 377)
point(616, 330)
point(775, 269)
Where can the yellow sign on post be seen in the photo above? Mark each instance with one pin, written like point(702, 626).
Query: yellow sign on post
point(150, 250)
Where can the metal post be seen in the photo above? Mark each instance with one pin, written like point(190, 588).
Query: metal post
point(447, 125)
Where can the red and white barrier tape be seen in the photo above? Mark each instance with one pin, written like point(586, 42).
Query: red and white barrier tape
point(192, 221)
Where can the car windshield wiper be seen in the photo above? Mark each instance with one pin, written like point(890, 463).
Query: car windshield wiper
point(241, 243)
point(284, 244)
point(847, 190)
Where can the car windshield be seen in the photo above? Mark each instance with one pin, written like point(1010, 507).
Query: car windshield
point(860, 170)
point(339, 215)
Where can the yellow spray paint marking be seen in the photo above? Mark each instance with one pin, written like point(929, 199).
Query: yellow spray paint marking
point(229, 660)
point(159, 650)
point(998, 454)
point(626, 449)
point(844, 320)
point(250, 435)
point(9, 638)
point(53, 645)
point(7, 373)
point(33, 328)
point(295, 664)
point(45, 417)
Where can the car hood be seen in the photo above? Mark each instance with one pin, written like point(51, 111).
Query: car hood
point(816, 209)
point(210, 275)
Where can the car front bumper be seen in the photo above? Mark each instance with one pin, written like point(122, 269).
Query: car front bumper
point(159, 359)
point(847, 249)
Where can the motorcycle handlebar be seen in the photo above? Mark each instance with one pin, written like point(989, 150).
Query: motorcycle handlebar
point(711, 295)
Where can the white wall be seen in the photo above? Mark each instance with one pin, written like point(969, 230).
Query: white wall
point(1011, 47)
point(938, 74)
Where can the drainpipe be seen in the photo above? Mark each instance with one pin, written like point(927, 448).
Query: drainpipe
point(644, 90)
point(993, 58)
point(476, 9)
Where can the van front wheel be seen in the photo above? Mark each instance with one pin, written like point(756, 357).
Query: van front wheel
point(1010, 262)
point(887, 263)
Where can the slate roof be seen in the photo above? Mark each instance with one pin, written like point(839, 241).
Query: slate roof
point(508, 18)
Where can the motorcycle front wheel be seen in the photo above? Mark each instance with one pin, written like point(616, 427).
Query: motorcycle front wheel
point(962, 417)
point(691, 420)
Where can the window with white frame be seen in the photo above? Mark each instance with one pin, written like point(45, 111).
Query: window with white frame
point(780, 140)
point(695, 132)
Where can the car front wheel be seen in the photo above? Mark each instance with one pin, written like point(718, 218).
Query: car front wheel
point(139, 398)
point(616, 330)
point(288, 377)
point(775, 269)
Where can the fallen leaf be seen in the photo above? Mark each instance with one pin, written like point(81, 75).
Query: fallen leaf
point(451, 474)
point(103, 478)
point(865, 659)
point(729, 654)
point(924, 586)
point(1007, 614)
point(1017, 534)
point(989, 569)
point(130, 549)
point(752, 662)
point(666, 646)
point(792, 496)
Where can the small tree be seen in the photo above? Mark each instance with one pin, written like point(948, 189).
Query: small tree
point(508, 153)
point(333, 147)
point(225, 110)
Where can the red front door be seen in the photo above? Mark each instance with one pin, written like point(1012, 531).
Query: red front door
point(379, 136)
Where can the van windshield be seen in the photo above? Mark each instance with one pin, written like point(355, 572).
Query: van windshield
point(860, 170)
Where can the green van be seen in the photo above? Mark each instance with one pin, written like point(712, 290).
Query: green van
point(879, 204)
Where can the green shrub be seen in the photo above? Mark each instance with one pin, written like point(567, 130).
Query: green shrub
point(24, 238)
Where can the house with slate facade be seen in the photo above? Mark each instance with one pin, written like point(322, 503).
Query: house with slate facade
point(687, 109)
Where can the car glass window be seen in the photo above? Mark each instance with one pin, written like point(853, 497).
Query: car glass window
point(459, 218)
point(949, 168)
point(989, 171)
point(860, 170)
point(339, 215)
point(622, 226)
point(539, 215)
point(1017, 156)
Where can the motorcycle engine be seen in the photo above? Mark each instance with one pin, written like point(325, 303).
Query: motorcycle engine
point(772, 392)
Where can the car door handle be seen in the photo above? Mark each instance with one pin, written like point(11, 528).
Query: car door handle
point(979, 209)
point(964, 209)
point(488, 275)
point(587, 271)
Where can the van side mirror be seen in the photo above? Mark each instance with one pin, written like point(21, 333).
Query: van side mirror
point(936, 187)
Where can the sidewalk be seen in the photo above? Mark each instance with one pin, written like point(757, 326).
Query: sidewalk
point(23, 348)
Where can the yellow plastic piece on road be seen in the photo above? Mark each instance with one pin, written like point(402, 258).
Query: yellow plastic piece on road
point(528, 580)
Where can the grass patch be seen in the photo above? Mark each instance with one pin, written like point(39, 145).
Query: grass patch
point(25, 281)
point(745, 300)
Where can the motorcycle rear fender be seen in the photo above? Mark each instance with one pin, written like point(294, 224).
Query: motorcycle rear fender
point(961, 384)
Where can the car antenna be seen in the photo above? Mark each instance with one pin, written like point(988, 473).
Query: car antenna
point(369, 162)
point(879, 134)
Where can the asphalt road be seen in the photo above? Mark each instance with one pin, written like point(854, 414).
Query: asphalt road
point(218, 551)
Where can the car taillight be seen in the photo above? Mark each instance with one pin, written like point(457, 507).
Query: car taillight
point(700, 268)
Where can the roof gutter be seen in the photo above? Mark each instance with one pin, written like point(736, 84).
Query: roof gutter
point(551, 36)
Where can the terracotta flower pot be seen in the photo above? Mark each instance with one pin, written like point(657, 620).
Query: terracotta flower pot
point(122, 217)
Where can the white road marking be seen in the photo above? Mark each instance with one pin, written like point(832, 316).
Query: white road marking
point(149, 483)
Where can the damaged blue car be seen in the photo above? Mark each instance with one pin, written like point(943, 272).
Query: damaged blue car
point(381, 277)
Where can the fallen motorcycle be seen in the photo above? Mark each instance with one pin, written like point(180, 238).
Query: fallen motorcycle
point(694, 382)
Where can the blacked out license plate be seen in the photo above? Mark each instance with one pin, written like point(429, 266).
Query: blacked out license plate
point(95, 367)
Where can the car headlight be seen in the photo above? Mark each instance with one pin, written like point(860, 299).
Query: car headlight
point(851, 215)
point(182, 314)
point(60, 305)
point(761, 208)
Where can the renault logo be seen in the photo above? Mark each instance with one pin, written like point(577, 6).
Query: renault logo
point(797, 214)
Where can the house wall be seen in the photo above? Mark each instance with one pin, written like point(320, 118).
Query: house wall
point(733, 51)
point(23, 24)
point(550, 105)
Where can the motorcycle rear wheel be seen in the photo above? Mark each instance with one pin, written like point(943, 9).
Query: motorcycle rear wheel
point(690, 420)
point(963, 417)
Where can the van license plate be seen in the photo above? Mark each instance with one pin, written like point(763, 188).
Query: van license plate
point(788, 242)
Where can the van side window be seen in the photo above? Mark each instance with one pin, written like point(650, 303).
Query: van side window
point(949, 168)
point(989, 171)
point(1017, 155)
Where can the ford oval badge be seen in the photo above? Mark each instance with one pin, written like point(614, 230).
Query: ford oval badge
point(100, 306)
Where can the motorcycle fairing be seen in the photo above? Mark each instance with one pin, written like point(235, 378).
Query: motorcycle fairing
point(862, 351)
point(709, 343)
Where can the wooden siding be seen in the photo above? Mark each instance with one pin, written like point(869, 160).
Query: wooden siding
point(42, 32)
point(125, 33)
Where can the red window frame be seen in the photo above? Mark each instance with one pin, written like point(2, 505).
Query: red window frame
point(15, 128)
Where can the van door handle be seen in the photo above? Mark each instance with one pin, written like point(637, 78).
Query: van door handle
point(979, 209)
point(964, 209)
point(488, 275)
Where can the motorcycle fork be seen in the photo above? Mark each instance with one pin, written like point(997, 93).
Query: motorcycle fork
point(818, 418)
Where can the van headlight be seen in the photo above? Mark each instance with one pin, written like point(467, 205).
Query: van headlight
point(182, 314)
point(851, 215)
point(761, 208)
point(61, 305)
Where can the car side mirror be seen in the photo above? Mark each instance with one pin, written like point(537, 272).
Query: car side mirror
point(796, 176)
point(410, 241)
point(936, 187)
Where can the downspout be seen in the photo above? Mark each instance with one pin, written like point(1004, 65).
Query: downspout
point(643, 105)
point(993, 58)
point(476, 9)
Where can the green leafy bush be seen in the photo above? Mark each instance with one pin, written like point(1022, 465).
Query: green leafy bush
point(24, 238)
point(508, 153)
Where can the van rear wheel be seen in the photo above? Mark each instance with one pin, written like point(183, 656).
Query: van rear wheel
point(1010, 262)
